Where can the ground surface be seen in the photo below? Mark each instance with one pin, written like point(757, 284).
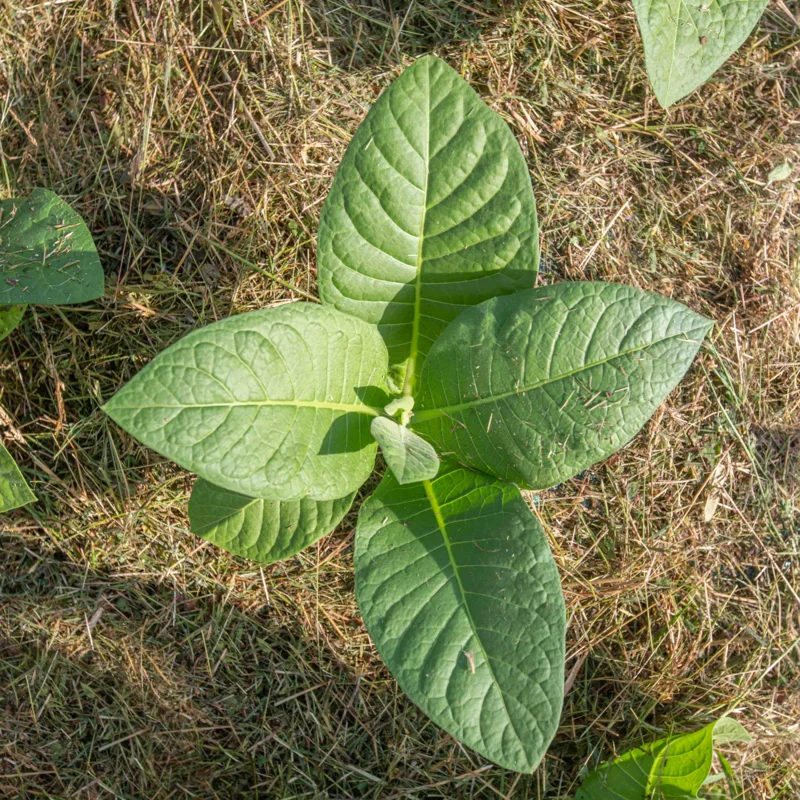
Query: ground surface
point(137, 661)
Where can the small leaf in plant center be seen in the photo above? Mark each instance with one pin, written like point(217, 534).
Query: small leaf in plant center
point(273, 404)
point(404, 403)
point(460, 594)
point(409, 457)
point(14, 491)
point(263, 530)
point(48, 256)
point(540, 385)
point(430, 213)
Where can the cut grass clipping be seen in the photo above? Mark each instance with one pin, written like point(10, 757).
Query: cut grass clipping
point(428, 251)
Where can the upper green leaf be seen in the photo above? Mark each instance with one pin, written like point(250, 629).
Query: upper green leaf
point(274, 403)
point(47, 255)
point(686, 41)
point(14, 491)
point(409, 458)
point(460, 593)
point(263, 530)
point(676, 766)
point(431, 212)
point(537, 387)
point(10, 317)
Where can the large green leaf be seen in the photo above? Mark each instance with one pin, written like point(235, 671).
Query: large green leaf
point(537, 387)
point(10, 317)
point(409, 457)
point(462, 598)
point(47, 255)
point(14, 492)
point(262, 530)
point(431, 212)
point(274, 403)
point(676, 766)
point(686, 41)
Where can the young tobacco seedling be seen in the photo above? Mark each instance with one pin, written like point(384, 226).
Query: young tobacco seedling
point(432, 340)
point(675, 766)
point(687, 41)
point(47, 257)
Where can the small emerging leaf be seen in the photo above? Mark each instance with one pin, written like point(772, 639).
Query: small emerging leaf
point(262, 530)
point(460, 594)
point(686, 41)
point(676, 766)
point(405, 403)
point(538, 386)
point(14, 491)
point(430, 213)
point(410, 458)
point(10, 317)
point(274, 403)
point(48, 256)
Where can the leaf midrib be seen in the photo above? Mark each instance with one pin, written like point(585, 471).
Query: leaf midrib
point(413, 353)
point(361, 409)
point(437, 513)
point(432, 413)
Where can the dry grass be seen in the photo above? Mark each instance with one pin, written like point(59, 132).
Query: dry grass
point(137, 661)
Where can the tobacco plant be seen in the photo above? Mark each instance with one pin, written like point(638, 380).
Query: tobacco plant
point(687, 41)
point(47, 257)
point(677, 766)
point(432, 340)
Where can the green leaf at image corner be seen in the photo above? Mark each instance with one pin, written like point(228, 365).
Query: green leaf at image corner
point(675, 766)
point(14, 491)
point(686, 41)
point(47, 255)
point(539, 386)
point(409, 457)
point(462, 598)
point(261, 530)
point(274, 404)
point(10, 317)
point(431, 212)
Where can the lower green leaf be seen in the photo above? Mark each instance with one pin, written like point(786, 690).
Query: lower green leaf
point(10, 317)
point(262, 530)
point(14, 491)
point(676, 766)
point(462, 598)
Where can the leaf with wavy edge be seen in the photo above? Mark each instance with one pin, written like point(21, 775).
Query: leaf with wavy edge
point(460, 594)
point(686, 41)
point(273, 404)
point(262, 530)
point(14, 491)
point(676, 766)
point(10, 317)
point(431, 212)
point(47, 255)
point(538, 386)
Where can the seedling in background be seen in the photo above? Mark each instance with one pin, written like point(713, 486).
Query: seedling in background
point(47, 257)
point(687, 41)
point(672, 767)
point(430, 322)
